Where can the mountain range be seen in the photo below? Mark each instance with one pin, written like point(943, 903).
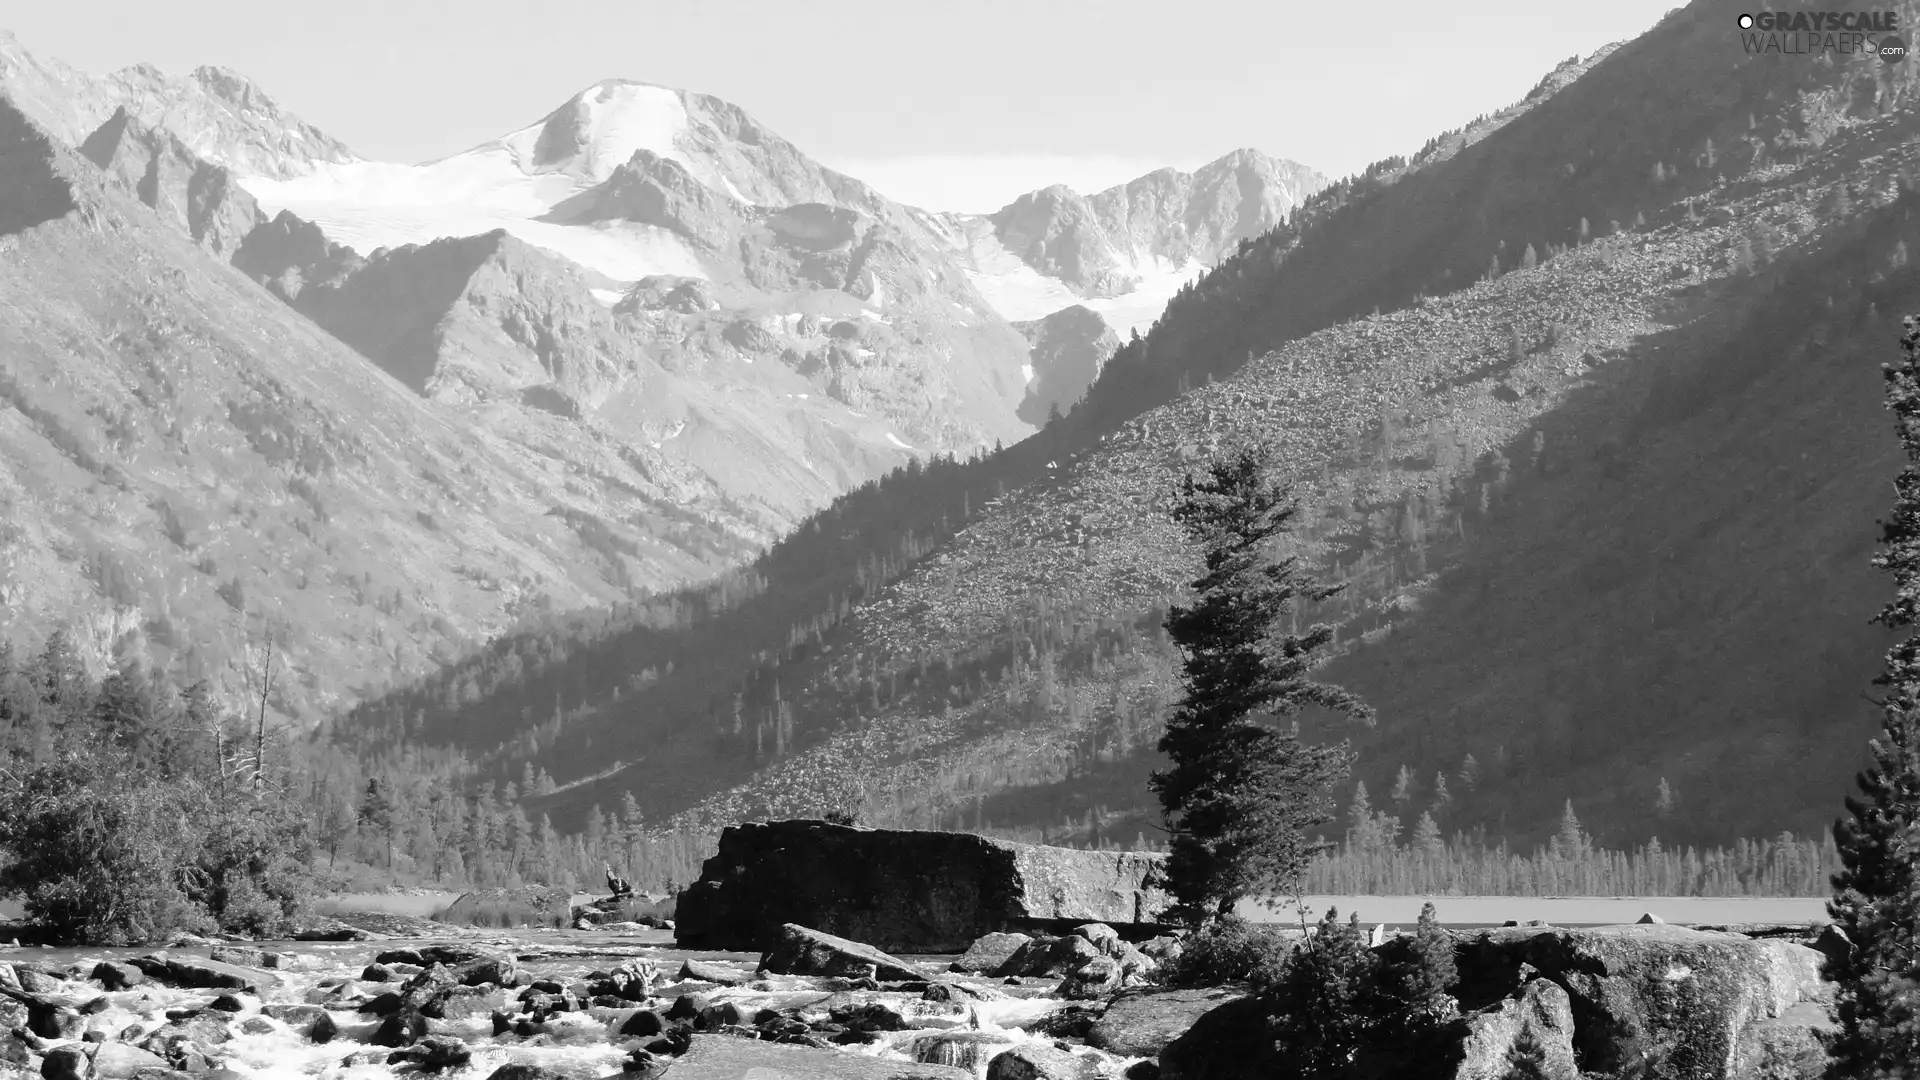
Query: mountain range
point(684, 334)
point(1580, 402)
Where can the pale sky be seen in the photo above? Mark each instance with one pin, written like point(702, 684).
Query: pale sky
point(951, 105)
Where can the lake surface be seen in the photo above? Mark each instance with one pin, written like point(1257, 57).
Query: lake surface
point(1474, 911)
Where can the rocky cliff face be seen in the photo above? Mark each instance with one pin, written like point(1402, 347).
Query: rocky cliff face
point(194, 195)
point(1069, 347)
point(1123, 251)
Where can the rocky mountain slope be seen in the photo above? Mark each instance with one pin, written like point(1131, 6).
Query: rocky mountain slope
point(1467, 459)
point(1123, 252)
point(218, 115)
point(191, 467)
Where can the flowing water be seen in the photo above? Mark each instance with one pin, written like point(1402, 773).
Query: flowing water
point(581, 1045)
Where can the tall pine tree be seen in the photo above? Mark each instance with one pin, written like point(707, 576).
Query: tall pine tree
point(1877, 891)
point(1240, 795)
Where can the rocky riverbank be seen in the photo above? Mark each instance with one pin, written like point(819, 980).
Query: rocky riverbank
point(1657, 1000)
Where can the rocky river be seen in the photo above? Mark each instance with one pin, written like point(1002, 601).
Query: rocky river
point(527, 1005)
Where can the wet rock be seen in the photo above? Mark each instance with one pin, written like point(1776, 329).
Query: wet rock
point(1040, 1063)
point(383, 1004)
point(426, 987)
point(960, 1049)
point(642, 1023)
point(721, 1014)
point(14, 1050)
point(227, 1003)
point(868, 1016)
point(310, 1021)
point(487, 971)
point(403, 1028)
point(522, 1071)
point(66, 1063)
point(706, 972)
point(718, 1057)
point(377, 973)
point(257, 1025)
point(120, 1061)
point(206, 974)
point(52, 1021)
point(1140, 1023)
point(1096, 978)
point(434, 1053)
point(948, 993)
point(37, 982)
point(243, 957)
point(114, 975)
point(687, 1006)
point(988, 952)
point(1049, 958)
point(1142, 1070)
point(798, 950)
point(465, 1002)
point(95, 1006)
point(14, 1014)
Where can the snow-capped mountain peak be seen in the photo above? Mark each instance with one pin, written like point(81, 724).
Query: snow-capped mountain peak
point(600, 128)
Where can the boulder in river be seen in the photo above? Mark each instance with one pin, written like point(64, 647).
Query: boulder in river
point(961, 1049)
point(120, 1061)
point(1036, 1061)
point(988, 952)
point(310, 1021)
point(118, 976)
point(724, 1057)
point(66, 1063)
point(800, 950)
point(909, 889)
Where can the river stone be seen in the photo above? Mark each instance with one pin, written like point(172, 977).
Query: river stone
point(14, 1050)
point(1038, 1062)
point(1096, 978)
point(53, 1021)
point(1049, 958)
point(724, 1057)
point(961, 1049)
point(988, 952)
point(66, 1063)
point(37, 982)
point(708, 972)
point(310, 1021)
point(798, 950)
point(14, 1013)
point(119, 1061)
point(434, 1053)
point(403, 1028)
point(914, 890)
point(641, 1024)
point(242, 957)
point(1140, 1023)
point(524, 1071)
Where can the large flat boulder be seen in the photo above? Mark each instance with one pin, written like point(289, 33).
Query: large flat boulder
point(1681, 1002)
point(530, 905)
point(1652, 1000)
point(909, 890)
point(1140, 1023)
point(724, 1057)
point(800, 950)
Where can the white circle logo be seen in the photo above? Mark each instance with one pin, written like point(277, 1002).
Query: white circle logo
point(1746, 22)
